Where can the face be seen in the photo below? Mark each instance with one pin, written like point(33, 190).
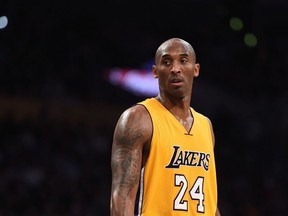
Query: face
point(175, 68)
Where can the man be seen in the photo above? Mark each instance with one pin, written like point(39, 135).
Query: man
point(162, 155)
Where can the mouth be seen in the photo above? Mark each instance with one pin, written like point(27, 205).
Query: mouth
point(176, 81)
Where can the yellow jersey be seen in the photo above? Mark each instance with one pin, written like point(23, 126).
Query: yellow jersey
point(179, 177)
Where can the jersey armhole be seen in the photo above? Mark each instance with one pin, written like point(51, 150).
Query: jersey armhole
point(147, 146)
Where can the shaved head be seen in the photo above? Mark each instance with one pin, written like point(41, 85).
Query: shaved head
point(174, 42)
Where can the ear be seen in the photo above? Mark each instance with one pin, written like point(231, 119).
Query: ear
point(155, 73)
point(196, 70)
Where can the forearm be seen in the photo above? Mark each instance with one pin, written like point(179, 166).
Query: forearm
point(125, 180)
point(121, 205)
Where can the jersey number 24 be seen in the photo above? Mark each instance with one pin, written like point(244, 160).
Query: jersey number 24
point(196, 193)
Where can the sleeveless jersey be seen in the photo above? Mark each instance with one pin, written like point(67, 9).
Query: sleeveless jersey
point(179, 177)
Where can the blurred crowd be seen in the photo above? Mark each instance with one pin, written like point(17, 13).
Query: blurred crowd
point(53, 169)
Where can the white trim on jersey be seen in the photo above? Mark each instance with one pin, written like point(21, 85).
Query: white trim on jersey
point(141, 192)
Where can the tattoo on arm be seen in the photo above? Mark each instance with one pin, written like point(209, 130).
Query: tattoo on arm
point(128, 137)
point(125, 161)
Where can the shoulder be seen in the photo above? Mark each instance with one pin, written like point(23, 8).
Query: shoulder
point(200, 115)
point(206, 119)
point(135, 119)
point(211, 130)
point(135, 113)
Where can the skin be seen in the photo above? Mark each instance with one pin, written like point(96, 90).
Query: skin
point(175, 68)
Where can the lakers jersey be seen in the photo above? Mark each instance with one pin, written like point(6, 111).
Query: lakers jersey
point(179, 177)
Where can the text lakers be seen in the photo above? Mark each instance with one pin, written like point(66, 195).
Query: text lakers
point(188, 158)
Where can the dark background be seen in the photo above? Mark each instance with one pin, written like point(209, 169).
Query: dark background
point(58, 112)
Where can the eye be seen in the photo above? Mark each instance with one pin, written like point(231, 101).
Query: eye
point(167, 62)
point(184, 60)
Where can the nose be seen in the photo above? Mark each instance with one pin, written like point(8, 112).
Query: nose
point(175, 68)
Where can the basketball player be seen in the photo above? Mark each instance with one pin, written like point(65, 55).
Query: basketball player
point(162, 155)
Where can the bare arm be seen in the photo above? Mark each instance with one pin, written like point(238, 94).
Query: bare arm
point(213, 139)
point(132, 132)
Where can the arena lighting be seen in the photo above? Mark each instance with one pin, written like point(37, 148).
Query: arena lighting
point(140, 82)
point(250, 40)
point(236, 23)
point(3, 22)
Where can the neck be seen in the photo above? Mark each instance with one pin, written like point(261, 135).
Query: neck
point(175, 103)
point(179, 108)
